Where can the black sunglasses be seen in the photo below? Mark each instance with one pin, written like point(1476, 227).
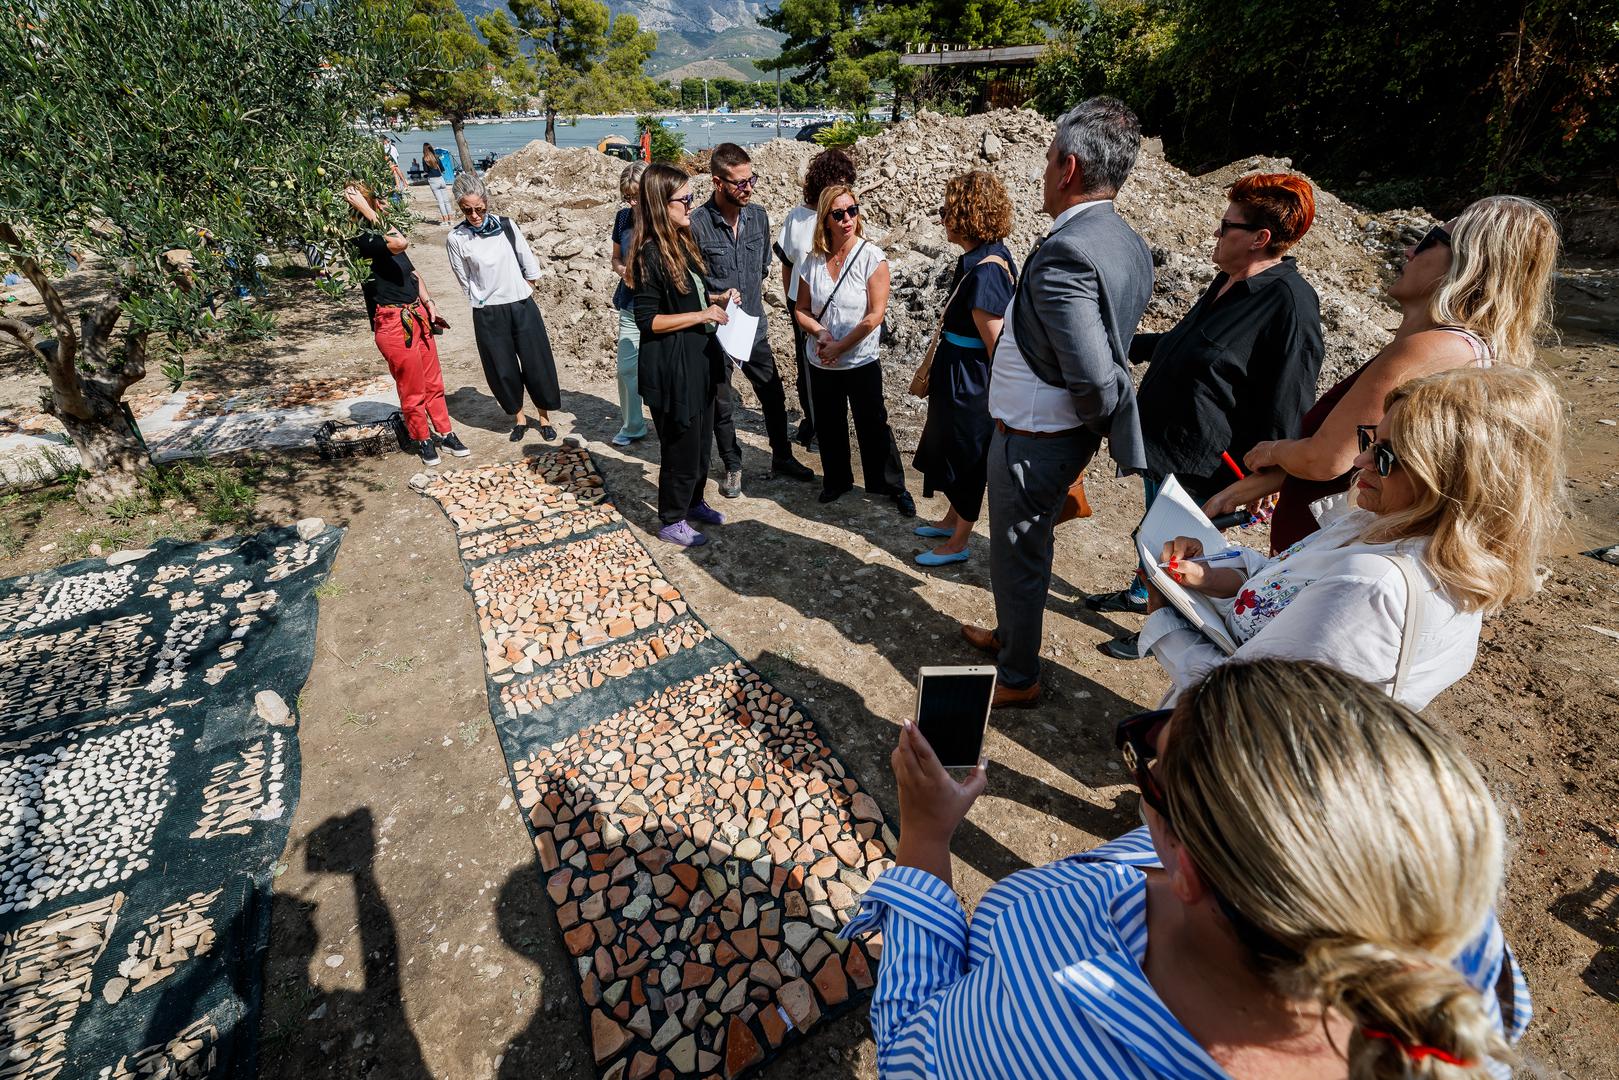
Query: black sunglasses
point(1382, 455)
point(1136, 738)
point(685, 200)
point(839, 215)
point(740, 185)
point(1435, 235)
point(1226, 224)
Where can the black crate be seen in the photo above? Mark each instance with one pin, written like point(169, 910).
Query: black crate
point(360, 439)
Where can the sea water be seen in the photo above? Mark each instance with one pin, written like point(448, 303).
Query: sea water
point(504, 136)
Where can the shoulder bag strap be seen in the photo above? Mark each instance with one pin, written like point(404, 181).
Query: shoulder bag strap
point(506, 227)
point(1411, 630)
point(836, 284)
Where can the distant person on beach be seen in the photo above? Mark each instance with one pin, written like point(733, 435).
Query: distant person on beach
point(1458, 493)
point(1060, 377)
point(403, 318)
point(1310, 898)
point(497, 270)
point(734, 236)
point(840, 308)
point(1238, 369)
point(793, 244)
point(433, 168)
point(954, 448)
point(681, 364)
point(388, 147)
point(1474, 291)
point(632, 424)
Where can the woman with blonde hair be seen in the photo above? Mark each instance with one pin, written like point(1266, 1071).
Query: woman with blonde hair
point(632, 426)
point(841, 312)
point(681, 364)
point(1310, 897)
point(1459, 490)
point(1474, 291)
point(954, 449)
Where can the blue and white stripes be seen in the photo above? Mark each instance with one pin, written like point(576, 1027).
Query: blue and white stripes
point(1047, 979)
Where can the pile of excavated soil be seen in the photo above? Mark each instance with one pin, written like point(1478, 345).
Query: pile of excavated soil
point(565, 201)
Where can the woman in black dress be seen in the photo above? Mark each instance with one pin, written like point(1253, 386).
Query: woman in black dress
point(680, 364)
point(977, 216)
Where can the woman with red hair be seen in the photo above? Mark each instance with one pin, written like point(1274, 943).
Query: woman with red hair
point(1239, 369)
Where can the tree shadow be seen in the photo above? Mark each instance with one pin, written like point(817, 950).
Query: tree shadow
point(471, 406)
point(308, 1031)
point(1594, 912)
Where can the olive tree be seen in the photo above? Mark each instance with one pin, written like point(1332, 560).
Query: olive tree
point(168, 143)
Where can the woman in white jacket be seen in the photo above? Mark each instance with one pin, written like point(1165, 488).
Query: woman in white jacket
point(497, 270)
point(1459, 490)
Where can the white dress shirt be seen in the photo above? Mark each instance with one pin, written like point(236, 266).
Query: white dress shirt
point(1018, 397)
point(1336, 599)
point(487, 270)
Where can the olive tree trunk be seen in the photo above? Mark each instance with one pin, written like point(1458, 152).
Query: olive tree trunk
point(87, 386)
point(458, 126)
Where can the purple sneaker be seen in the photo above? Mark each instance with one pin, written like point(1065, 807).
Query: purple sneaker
point(705, 514)
point(683, 534)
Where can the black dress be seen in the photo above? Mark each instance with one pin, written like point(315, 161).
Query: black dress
point(954, 447)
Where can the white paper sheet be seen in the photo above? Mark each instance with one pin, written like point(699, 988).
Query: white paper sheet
point(1174, 514)
point(737, 335)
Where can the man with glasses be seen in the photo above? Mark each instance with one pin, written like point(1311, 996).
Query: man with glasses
point(734, 236)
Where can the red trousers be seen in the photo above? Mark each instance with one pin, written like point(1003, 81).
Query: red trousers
point(406, 342)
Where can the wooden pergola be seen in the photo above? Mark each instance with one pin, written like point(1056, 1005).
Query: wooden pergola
point(1000, 91)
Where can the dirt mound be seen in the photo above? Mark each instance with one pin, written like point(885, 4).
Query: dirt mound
point(565, 200)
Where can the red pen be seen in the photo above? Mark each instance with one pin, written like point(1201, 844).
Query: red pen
point(1226, 456)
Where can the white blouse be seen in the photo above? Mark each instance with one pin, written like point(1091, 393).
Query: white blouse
point(848, 304)
point(488, 270)
point(1335, 599)
point(796, 237)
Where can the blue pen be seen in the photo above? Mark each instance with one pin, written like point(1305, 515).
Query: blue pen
point(1221, 556)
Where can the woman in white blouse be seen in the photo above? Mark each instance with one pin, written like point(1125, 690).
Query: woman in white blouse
point(841, 313)
point(497, 270)
point(1459, 490)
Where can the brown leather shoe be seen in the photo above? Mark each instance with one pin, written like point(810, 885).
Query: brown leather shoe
point(983, 640)
point(1008, 698)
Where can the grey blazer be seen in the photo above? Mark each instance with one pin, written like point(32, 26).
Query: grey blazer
point(1082, 293)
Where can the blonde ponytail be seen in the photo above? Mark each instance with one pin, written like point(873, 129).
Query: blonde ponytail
point(1415, 1015)
point(1346, 830)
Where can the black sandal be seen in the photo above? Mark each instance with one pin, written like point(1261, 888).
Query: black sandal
point(548, 433)
point(518, 431)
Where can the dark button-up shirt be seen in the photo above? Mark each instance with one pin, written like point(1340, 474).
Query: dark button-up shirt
point(1237, 370)
point(735, 260)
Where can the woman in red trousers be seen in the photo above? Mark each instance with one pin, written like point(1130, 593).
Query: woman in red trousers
point(402, 317)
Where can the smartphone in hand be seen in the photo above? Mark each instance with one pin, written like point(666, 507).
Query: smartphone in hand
point(952, 711)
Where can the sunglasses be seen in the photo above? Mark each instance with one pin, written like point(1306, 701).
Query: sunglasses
point(1382, 455)
point(1226, 225)
point(1136, 738)
point(685, 200)
point(1435, 235)
point(839, 215)
point(739, 185)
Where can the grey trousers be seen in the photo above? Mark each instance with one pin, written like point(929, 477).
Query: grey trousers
point(1028, 479)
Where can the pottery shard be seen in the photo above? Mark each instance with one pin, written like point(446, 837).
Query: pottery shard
point(848, 851)
point(775, 1027)
point(746, 942)
point(831, 982)
point(271, 708)
point(799, 1001)
point(580, 938)
point(865, 807)
point(742, 1050)
point(686, 873)
point(858, 970)
point(641, 1067)
point(765, 973)
point(606, 1037)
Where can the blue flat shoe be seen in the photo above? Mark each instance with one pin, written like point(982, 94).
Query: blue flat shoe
point(928, 558)
point(933, 532)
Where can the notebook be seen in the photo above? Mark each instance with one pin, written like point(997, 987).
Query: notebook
point(1174, 513)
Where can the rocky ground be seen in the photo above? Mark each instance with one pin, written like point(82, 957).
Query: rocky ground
point(412, 937)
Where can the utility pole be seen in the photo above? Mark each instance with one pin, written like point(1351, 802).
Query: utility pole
point(778, 103)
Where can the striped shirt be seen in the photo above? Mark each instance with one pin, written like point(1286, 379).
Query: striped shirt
point(1047, 979)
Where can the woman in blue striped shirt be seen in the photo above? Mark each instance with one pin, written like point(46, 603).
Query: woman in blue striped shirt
point(1311, 897)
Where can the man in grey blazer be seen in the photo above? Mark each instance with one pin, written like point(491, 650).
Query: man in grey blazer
point(1060, 379)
